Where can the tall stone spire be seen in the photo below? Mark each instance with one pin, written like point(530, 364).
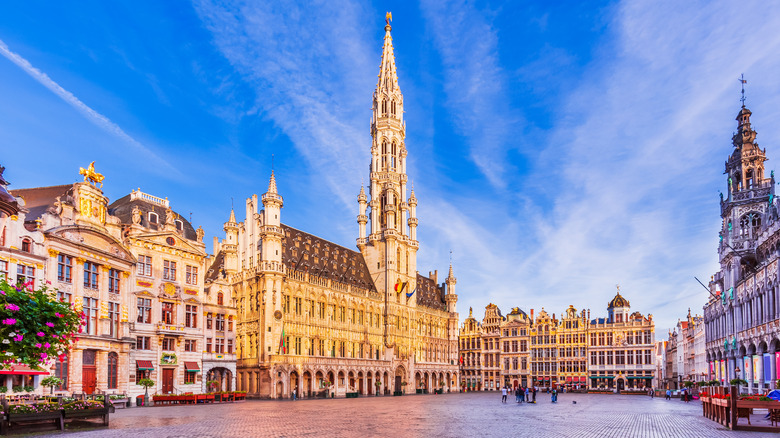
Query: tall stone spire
point(272, 184)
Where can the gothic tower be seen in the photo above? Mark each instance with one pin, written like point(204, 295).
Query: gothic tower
point(390, 248)
point(746, 209)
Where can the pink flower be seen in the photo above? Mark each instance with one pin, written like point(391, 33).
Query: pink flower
point(38, 345)
point(46, 345)
point(18, 338)
point(9, 321)
point(58, 315)
point(44, 355)
point(41, 334)
point(11, 307)
point(2, 292)
point(50, 324)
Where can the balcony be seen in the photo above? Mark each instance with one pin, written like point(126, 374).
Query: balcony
point(169, 329)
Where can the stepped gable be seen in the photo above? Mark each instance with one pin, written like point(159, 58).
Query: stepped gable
point(123, 209)
point(38, 200)
point(305, 252)
point(430, 294)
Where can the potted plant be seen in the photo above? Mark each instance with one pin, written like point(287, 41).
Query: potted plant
point(50, 382)
point(738, 383)
point(378, 384)
point(211, 386)
point(146, 383)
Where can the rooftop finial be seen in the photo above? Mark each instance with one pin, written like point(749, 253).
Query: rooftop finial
point(742, 82)
point(618, 288)
point(388, 17)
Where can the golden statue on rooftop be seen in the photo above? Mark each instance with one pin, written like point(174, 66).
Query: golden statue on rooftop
point(388, 17)
point(90, 175)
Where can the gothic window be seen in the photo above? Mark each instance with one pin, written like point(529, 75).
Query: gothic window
point(384, 107)
point(392, 108)
point(749, 179)
point(749, 225)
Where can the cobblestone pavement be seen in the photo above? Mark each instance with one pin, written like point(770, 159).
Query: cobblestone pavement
point(449, 415)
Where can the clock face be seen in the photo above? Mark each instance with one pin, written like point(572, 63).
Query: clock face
point(278, 314)
point(170, 241)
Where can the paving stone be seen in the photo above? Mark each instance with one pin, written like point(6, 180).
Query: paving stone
point(449, 415)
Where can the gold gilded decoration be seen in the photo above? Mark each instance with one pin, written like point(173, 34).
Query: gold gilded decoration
point(143, 283)
point(169, 289)
point(53, 252)
point(278, 314)
point(90, 175)
point(388, 19)
point(190, 291)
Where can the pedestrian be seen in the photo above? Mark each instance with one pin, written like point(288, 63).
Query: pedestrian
point(554, 396)
point(668, 394)
point(534, 394)
point(522, 394)
point(503, 394)
point(295, 394)
point(527, 397)
point(517, 394)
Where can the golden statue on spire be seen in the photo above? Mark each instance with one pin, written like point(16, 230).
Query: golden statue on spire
point(388, 18)
point(90, 175)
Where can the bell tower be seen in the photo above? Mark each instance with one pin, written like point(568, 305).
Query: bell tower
point(386, 218)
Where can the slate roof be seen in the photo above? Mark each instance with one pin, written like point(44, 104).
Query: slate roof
point(39, 199)
point(306, 252)
point(123, 209)
point(430, 294)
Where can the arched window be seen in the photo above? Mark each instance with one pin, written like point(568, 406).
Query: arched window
point(749, 179)
point(749, 225)
point(113, 366)
point(392, 108)
point(179, 225)
point(220, 299)
point(153, 217)
point(384, 107)
point(26, 245)
point(61, 371)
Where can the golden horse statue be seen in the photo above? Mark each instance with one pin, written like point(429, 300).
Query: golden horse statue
point(90, 174)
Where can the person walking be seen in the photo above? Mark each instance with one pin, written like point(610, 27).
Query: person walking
point(534, 394)
point(295, 394)
point(668, 394)
point(522, 394)
point(553, 396)
point(517, 394)
point(503, 394)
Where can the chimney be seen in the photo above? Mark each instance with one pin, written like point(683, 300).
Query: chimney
point(532, 316)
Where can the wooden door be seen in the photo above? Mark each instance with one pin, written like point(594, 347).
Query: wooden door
point(167, 380)
point(88, 371)
point(89, 377)
point(398, 386)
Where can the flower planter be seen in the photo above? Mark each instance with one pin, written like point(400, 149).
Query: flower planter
point(755, 404)
point(86, 413)
point(419, 391)
point(353, 394)
point(398, 393)
point(51, 417)
point(204, 398)
point(240, 396)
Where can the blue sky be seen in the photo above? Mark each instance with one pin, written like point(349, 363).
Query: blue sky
point(556, 149)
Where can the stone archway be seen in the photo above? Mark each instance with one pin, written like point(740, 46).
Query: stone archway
point(400, 378)
point(223, 377)
point(294, 383)
point(307, 384)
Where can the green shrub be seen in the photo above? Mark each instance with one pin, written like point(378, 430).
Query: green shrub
point(29, 388)
point(18, 388)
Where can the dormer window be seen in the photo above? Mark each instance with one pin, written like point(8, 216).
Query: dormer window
point(153, 218)
point(26, 245)
point(179, 225)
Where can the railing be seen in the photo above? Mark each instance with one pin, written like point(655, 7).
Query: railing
point(138, 194)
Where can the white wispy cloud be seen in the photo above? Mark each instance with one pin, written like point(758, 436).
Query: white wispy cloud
point(475, 84)
point(637, 155)
point(93, 116)
point(313, 75)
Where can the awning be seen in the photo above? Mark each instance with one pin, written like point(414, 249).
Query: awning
point(191, 366)
point(144, 365)
point(602, 377)
point(23, 369)
point(639, 377)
